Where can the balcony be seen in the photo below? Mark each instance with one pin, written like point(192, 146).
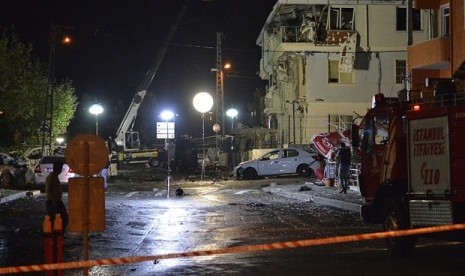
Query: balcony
point(273, 102)
point(432, 54)
point(306, 34)
point(427, 4)
point(300, 39)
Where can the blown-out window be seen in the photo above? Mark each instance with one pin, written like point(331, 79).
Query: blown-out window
point(339, 122)
point(335, 76)
point(401, 19)
point(341, 19)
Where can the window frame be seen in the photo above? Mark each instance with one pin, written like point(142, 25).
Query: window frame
point(339, 122)
point(445, 19)
point(400, 71)
point(335, 16)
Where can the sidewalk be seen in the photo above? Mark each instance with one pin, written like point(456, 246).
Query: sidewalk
point(299, 190)
point(320, 194)
point(7, 195)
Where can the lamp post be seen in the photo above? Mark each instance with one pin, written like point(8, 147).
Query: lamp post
point(96, 109)
point(232, 112)
point(293, 118)
point(167, 116)
point(203, 103)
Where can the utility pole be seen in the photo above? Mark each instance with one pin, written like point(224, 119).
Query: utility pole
point(219, 82)
point(48, 113)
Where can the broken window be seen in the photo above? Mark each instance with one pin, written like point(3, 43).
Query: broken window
point(401, 19)
point(341, 19)
point(335, 76)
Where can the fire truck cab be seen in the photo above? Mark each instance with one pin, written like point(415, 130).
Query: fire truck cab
point(412, 164)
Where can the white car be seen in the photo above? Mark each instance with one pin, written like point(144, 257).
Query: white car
point(278, 162)
point(6, 159)
point(45, 167)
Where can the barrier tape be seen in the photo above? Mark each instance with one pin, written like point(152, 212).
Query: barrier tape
point(234, 250)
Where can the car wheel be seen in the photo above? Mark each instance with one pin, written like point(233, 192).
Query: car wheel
point(303, 170)
point(250, 173)
point(240, 173)
point(397, 219)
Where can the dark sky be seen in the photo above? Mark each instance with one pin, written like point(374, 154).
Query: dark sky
point(115, 42)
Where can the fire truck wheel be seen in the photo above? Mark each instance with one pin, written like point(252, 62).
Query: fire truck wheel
point(304, 170)
point(397, 219)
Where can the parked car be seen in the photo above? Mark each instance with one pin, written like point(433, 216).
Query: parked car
point(45, 167)
point(278, 162)
point(33, 155)
point(6, 159)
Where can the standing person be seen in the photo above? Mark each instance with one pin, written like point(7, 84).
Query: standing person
point(54, 203)
point(344, 159)
point(104, 174)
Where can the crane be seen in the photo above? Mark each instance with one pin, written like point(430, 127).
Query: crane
point(127, 140)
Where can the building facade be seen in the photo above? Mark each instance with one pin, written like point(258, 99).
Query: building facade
point(443, 55)
point(324, 61)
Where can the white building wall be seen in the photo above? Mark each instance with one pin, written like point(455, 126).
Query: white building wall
point(307, 77)
point(380, 73)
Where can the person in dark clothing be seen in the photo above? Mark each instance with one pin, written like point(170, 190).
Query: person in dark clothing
point(343, 158)
point(54, 203)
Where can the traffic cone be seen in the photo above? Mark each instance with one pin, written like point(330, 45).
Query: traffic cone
point(58, 229)
point(48, 243)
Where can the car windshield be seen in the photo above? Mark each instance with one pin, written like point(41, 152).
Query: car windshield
point(52, 159)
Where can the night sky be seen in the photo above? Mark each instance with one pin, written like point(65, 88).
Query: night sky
point(115, 42)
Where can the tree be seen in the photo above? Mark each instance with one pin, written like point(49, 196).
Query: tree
point(23, 88)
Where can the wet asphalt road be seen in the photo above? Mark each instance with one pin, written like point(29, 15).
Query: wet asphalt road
point(141, 221)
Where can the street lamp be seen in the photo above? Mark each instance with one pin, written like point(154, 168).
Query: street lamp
point(60, 140)
point(203, 103)
point(232, 112)
point(96, 109)
point(167, 116)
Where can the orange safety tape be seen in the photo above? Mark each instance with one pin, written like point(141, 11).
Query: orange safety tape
point(236, 249)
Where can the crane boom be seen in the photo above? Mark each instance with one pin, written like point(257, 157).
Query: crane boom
point(161, 53)
point(129, 118)
point(126, 139)
point(127, 123)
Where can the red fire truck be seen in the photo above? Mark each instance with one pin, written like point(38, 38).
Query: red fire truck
point(413, 163)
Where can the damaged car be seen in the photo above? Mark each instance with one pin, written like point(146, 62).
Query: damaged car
point(280, 162)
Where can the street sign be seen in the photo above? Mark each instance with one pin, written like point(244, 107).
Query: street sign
point(165, 130)
point(95, 204)
point(87, 154)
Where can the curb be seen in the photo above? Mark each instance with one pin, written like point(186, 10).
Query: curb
point(19, 195)
point(350, 206)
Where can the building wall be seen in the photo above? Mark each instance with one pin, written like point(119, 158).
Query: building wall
point(379, 77)
point(438, 57)
point(305, 78)
point(458, 38)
